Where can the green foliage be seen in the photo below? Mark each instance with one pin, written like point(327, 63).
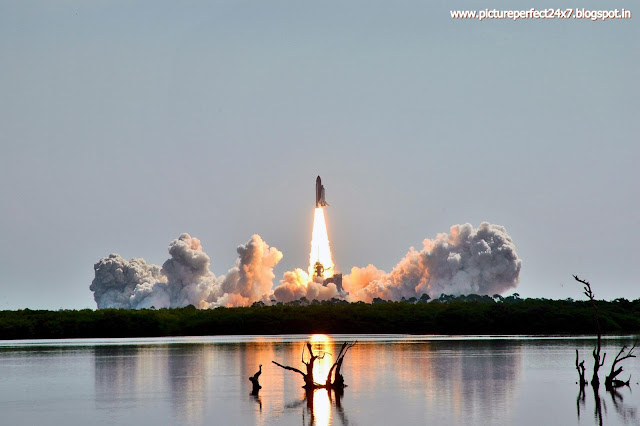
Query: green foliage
point(471, 314)
point(424, 298)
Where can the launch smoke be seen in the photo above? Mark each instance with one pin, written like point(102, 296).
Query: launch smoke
point(185, 278)
point(464, 261)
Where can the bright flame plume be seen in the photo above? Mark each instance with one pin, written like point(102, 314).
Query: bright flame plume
point(320, 250)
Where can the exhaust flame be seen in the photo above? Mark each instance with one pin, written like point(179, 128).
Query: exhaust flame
point(320, 250)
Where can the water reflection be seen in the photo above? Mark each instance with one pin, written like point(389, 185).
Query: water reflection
point(188, 367)
point(340, 411)
point(126, 374)
point(268, 402)
point(258, 400)
point(580, 401)
point(627, 414)
point(321, 407)
point(598, 406)
point(115, 375)
point(439, 379)
point(317, 407)
point(323, 346)
point(435, 381)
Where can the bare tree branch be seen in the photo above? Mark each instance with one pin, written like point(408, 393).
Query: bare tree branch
point(309, 382)
point(286, 367)
point(340, 354)
point(611, 382)
point(595, 380)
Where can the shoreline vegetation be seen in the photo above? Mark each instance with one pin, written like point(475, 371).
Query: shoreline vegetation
point(470, 314)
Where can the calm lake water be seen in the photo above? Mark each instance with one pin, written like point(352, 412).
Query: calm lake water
point(392, 379)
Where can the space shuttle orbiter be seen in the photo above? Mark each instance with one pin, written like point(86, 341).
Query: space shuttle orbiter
point(320, 202)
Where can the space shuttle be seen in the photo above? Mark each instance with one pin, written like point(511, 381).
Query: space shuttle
point(320, 202)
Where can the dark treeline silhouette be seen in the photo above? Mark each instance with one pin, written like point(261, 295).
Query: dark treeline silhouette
point(471, 314)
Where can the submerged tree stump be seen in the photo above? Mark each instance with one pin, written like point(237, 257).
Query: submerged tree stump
point(308, 376)
point(581, 369)
point(309, 384)
point(611, 382)
point(338, 381)
point(254, 381)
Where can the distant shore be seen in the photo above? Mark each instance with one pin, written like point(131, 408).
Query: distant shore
point(525, 316)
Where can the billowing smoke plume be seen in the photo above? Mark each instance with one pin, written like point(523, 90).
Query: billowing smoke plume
point(297, 284)
point(251, 279)
point(189, 280)
point(465, 261)
point(117, 280)
point(185, 278)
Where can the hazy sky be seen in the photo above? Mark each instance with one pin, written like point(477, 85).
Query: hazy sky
point(126, 123)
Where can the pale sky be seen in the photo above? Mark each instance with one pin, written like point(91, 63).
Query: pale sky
point(126, 123)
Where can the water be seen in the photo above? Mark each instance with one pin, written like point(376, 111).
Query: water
point(392, 379)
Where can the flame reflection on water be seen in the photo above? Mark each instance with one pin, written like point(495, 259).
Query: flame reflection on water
point(321, 405)
point(391, 379)
point(322, 346)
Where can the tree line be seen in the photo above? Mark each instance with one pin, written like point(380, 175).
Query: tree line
point(470, 314)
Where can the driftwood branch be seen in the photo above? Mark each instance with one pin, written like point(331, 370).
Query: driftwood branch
point(611, 382)
point(308, 376)
point(286, 367)
point(309, 383)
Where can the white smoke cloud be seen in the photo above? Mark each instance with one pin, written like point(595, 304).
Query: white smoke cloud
point(116, 280)
point(189, 280)
point(185, 278)
point(251, 279)
point(465, 261)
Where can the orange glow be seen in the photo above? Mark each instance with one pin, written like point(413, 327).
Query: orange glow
point(320, 250)
point(321, 344)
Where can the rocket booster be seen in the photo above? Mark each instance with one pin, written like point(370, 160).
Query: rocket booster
point(320, 202)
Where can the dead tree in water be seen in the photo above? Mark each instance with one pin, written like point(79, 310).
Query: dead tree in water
point(595, 381)
point(309, 383)
point(580, 368)
point(254, 381)
point(611, 382)
point(338, 382)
